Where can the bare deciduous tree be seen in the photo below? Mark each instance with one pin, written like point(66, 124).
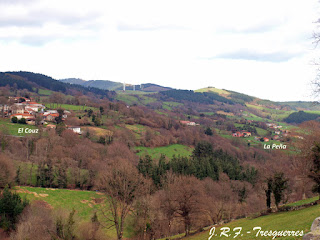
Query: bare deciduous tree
point(35, 223)
point(7, 171)
point(122, 184)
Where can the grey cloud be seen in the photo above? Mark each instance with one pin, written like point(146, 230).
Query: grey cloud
point(150, 27)
point(81, 25)
point(257, 28)
point(39, 18)
point(15, 2)
point(38, 40)
point(258, 56)
point(30, 40)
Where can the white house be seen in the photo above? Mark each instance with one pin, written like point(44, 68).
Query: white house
point(75, 129)
point(22, 115)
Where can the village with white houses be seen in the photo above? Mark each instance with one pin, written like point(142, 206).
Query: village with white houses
point(277, 132)
point(27, 111)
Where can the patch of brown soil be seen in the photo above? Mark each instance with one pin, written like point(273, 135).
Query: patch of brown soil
point(43, 195)
point(43, 204)
point(4, 235)
point(97, 200)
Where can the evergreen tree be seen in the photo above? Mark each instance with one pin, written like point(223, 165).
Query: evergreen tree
point(14, 119)
point(11, 206)
point(101, 110)
point(202, 149)
point(269, 191)
point(208, 131)
point(145, 166)
point(315, 169)
point(280, 184)
point(22, 121)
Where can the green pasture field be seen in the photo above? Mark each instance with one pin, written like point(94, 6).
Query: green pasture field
point(7, 127)
point(85, 203)
point(69, 107)
point(169, 151)
point(213, 89)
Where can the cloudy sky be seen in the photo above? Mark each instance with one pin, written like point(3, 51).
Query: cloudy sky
point(258, 47)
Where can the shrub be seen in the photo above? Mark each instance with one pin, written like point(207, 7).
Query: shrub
point(22, 121)
point(14, 119)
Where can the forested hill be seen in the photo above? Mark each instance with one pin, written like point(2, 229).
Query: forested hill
point(205, 97)
point(116, 86)
point(101, 84)
point(33, 81)
point(301, 116)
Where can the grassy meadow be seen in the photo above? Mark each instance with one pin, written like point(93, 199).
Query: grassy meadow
point(84, 202)
point(69, 107)
point(9, 128)
point(169, 151)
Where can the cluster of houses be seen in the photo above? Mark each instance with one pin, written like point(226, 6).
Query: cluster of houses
point(241, 134)
point(278, 131)
point(273, 126)
point(29, 110)
point(265, 139)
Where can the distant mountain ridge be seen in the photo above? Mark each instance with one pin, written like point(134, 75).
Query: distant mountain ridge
point(102, 84)
point(33, 81)
point(72, 81)
point(116, 86)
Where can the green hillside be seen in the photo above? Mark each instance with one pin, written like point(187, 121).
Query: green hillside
point(299, 220)
point(213, 89)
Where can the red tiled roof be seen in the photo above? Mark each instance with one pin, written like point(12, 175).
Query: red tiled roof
point(54, 114)
point(22, 114)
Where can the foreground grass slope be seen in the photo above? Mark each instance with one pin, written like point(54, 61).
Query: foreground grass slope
point(84, 202)
point(295, 221)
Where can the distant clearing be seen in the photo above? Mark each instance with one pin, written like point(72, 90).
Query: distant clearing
point(225, 113)
point(169, 151)
point(68, 107)
point(213, 89)
point(137, 129)
point(45, 92)
point(98, 131)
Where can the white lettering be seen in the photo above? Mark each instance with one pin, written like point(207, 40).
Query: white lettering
point(225, 230)
point(237, 233)
point(211, 233)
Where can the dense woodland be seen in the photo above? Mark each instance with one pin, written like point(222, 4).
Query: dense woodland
point(32, 82)
point(300, 117)
point(223, 179)
point(206, 97)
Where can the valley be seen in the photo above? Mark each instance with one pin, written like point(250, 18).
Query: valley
point(217, 153)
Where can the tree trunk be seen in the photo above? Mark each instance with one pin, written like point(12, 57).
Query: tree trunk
point(31, 174)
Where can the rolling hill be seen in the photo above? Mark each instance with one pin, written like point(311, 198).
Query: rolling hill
point(115, 86)
point(35, 81)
